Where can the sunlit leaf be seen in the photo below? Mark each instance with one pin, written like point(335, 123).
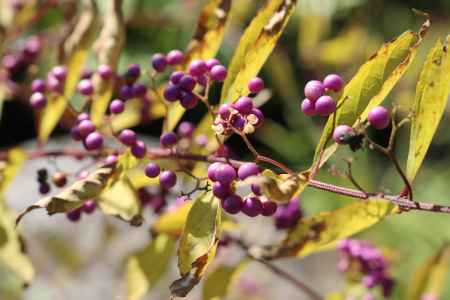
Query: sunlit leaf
point(75, 195)
point(431, 98)
point(282, 188)
point(323, 230)
point(372, 83)
point(429, 279)
point(198, 243)
point(172, 222)
point(255, 46)
point(218, 282)
point(148, 265)
point(10, 167)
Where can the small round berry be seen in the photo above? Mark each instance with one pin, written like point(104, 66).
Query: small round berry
point(268, 208)
point(81, 117)
point(127, 137)
point(32, 48)
point(333, 82)
point(225, 111)
point(159, 62)
point(202, 80)
point(252, 206)
point(212, 170)
point(44, 188)
point(126, 92)
point(138, 90)
point(379, 117)
point(167, 179)
point(53, 84)
point(111, 160)
point(168, 139)
point(221, 190)
point(248, 169)
point(256, 189)
point(85, 87)
point(238, 122)
point(176, 76)
point(197, 67)
point(38, 86)
point(225, 173)
point(325, 106)
point(172, 92)
point(186, 129)
point(133, 71)
point(232, 204)
point(93, 141)
point(89, 206)
point(105, 71)
point(59, 72)
point(218, 73)
point(210, 63)
point(75, 134)
point(175, 57)
point(152, 170)
point(244, 105)
point(259, 117)
point(38, 100)
point(340, 132)
point(86, 127)
point(308, 107)
point(188, 100)
point(187, 83)
point(255, 85)
point(139, 149)
point(117, 106)
point(314, 89)
point(59, 179)
point(74, 215)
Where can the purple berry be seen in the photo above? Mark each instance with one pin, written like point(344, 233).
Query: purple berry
point(225, 111)
point(139, 90)
point(127, 137)
point(152, 170)
point(247, 170)
point(379, 117)
point(44, 188)
point(85, 87)
point(238, 122)
point(38, 100)
point(139, 149)
point(188, 100)
point(93, 141)
point(111, 160)
point(133, 71)
point(74, 215)
point(75, 134)
point(202, 80)
point(126, 92)
point(105, 71)
point(175, 57)
point(333, 82)
point(89, 206)
point(252, 206)
point(32, 48)
point(244, 105)
point(197, 67)
point(187, 83)
point(268, 208)
point(117, 106)
point(167, 179)
point(225, 173)
point(38, 86)
point(186, 129)
point(86, 127)
point(59, 72)
point(172, 92)
point(256, 189)
point(176, 76)
point(159, 62)
point(218, 73)
point(256, 85)
point(210, 63)
point(53, 84)
point(81, 117)
point(212, 170)
point(314, 89)
point(232, 204)
point(325, 106)
point(308, 107)
point(168, 139)
point(221, 190)
point(341, 132)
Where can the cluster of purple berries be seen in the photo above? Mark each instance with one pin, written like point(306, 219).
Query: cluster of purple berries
point(224, 175)
point(17, 64)
point(316, 101)
point(366, 263)
point(54, 83)
point(288, 215)
point(240, 115)
point(59, 179)
point(378, 117)
point(85, 130)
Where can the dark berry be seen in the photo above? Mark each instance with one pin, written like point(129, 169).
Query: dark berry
point(139, 149)
point(159, 62)
point(152, 170)
point(127, 137)
point(175, 57)
point(117, 106)
point(221, 190)
point(256, 85)
point(86, 127)
point(168, 139)
point(232, 204)
point(167, 179)
point(252, 206)
point(247, 170)
point(93, 141)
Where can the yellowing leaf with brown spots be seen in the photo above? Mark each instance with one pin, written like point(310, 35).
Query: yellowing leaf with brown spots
point(432, 94)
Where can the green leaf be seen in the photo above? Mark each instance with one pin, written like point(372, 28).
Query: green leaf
point(11, 253)
point(431, 98)
point(321, 232)
point(9, 169)
point(255, 46)
point(148, 265)
point(371, 84)
point(218, 282)
point(74, 54)
point(429, 279)
point(198, 243)
point(75, 195)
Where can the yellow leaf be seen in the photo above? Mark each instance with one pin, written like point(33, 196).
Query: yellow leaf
point(145, 267)
point(431, 98)
point(172, 222)
point(323, 230)
point(198, 243)
point(255, 46)
point(282, 188)
point(9, 169)
point(372, 83)
point(218, 282)
point(429, 279)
